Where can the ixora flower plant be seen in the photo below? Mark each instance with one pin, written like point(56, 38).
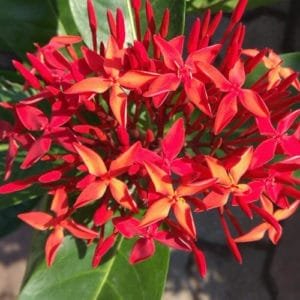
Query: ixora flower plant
point(140, 139)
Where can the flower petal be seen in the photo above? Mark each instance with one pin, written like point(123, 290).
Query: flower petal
point(120, 193)
point(91, 159)
point(36, 219)
point(159, 210)
point(90, 85)
point(142, 250)
point(254, 103)
point(226, 111)
point(183, 214)
point(92, 192)
point(173, 141)
point(52, 245)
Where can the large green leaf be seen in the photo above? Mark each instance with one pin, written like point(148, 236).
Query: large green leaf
point(78, 9)
point(226, 5)
point(23, 23)
point(72, 277)
point(291, 60)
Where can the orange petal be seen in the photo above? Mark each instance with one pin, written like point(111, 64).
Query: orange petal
point(118, 104)
point(256, 234)
point(52, 245)
point(92, 192)
point(36, 219)
point(282, 214)
point(121, 194)
point(254, 103)
point(227, 109)
point(195, 91)
point(91, 159)
point(136, 79)
point(159, 210)
point(160, 179)
point(214, 200)
point(162, 84)
point(125, 160)
point(90, 85)
point(239, 169)
point(183, 214)
point(195, 187)
point(59, 204)
point(217, 170)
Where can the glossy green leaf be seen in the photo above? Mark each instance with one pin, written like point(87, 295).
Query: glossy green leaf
point(225, 5)
point(292, 60)
point(23, 23)
point(72, 277)
point(78, 9)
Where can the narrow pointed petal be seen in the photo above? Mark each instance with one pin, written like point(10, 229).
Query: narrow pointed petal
point(183, 214)
point(78, 230)
point(40, 67)
point(120, 193)
point(160, 179)
point(118, 104)
point(17, 185)
point(91, 159)
point(195, 187)
point(173, 141)
point(237, 74)
point(226, 111)
point(200, 261)
point(290, 145)
point(142, 250)
point(268, 218)
point(31, 117)
point(127, 226)
point(265, 126)
point(28, 76)
point(207, 54)
point(92, 192)
point(158, 211)
point(125, 160)
point(171, 240)
point(59, 204)
point(195, 91)
point(102, 248)
point(92, 22)
point(240, 168)
point(66, 39)
point(285, 123)
point(120, 28)
point(263, 153)
point(255, 234)
point(215, 76)
point(53, 243)
point(103, 213)
point(230, 241)
point(90, 85)
point(218, 170)
point(134, 79)
point(215, 200)
point(282, 214)
point(254, 103)
point(172, 58)
point(37, 150)
point(37, 219)
point(162, 84)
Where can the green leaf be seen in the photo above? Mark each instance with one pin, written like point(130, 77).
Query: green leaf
point(72, 277)
point(225, 5)
point(23, 23)
point(291, 60)
point(78, 9)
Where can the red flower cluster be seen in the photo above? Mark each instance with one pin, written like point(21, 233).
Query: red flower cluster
point(151, 141)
